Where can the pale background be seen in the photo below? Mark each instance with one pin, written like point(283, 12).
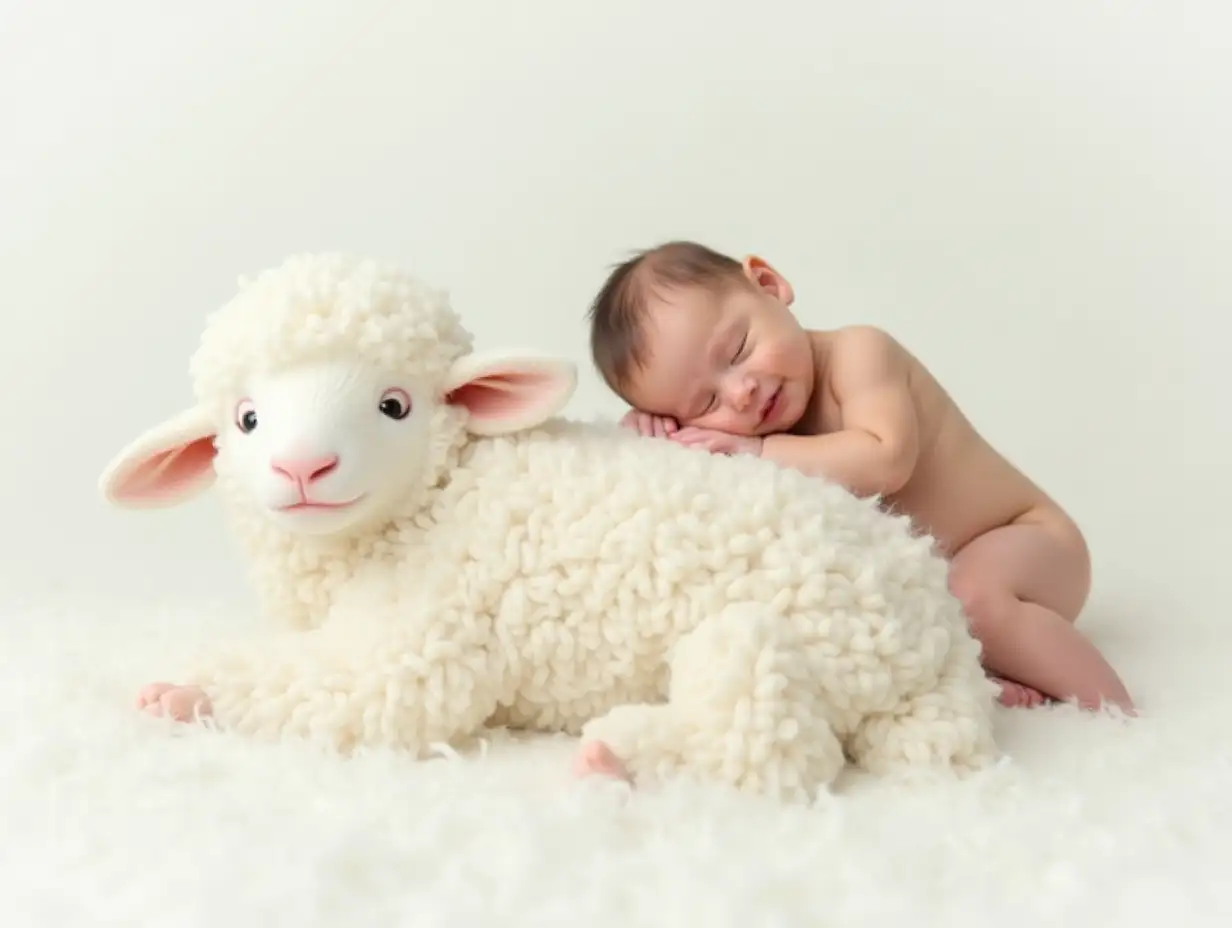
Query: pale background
point(1033, 196)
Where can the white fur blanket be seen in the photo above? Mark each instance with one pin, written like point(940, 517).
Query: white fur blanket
point(110, 818)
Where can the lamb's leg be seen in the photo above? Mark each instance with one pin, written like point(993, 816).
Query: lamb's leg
point(400, 684)
point(595, 757)
point(180, 703)
point(947, 728)
point(741, 709)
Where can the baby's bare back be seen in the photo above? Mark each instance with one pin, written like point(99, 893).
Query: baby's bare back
point(961, 487)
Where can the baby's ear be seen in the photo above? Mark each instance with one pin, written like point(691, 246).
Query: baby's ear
point(509, 392)
point(165, 466)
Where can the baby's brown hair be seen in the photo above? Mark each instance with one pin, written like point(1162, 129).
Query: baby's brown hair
point(617, 315)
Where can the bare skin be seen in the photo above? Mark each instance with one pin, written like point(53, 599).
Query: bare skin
point(596, 759)
point(857, 407)
point(179, 703)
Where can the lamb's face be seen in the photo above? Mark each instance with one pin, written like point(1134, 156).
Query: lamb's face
point(331, 394)
point(322, 448)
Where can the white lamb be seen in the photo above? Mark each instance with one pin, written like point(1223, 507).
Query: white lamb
point(439, 552)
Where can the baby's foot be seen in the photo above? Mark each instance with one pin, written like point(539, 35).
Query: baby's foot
point(595, 757)
point(1018, 696)
point(181, 703)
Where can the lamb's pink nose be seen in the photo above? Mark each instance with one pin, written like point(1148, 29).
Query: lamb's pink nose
point(304, 471)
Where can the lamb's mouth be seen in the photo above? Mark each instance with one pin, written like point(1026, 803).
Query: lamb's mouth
point(309, 505)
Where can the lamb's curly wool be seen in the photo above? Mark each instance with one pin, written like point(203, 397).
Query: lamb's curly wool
point(714, 616)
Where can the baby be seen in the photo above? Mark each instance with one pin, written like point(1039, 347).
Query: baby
point(709, 354)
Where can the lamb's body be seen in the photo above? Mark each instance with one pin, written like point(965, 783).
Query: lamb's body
point(559, 569)
point(603, 548)
point(717, 616)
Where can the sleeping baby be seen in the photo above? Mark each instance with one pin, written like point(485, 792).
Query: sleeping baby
point(707, 351)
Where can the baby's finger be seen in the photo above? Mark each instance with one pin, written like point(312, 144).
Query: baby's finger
point(692, 437)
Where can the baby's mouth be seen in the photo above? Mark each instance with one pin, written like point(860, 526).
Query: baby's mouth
point(770, 405)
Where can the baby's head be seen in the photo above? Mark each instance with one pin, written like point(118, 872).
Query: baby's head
point(683, 331)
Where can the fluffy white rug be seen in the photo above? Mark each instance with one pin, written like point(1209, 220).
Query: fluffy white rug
point(111, 818)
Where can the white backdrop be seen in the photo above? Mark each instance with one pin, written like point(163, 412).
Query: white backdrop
point(1033, 196)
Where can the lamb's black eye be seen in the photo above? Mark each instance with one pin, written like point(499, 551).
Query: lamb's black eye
point(395, 404)
point(246, 417)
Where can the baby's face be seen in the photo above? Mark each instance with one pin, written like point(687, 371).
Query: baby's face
point(735, 361)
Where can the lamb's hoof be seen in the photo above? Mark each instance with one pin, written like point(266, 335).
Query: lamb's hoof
point(595, 758)
point(180, 703)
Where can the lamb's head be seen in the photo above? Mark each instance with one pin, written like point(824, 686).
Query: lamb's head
point(333, 393)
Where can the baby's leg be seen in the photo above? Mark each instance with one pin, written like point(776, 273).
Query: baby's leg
point(1022, 587)
point(743, 709)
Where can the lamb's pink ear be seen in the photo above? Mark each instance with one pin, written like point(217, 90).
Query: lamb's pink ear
point(167, 465)
point(507, 392)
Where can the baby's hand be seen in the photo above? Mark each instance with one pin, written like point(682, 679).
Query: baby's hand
point(717, 442)
point(648, 425)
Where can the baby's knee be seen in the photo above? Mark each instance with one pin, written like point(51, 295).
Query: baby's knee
point(984, 604)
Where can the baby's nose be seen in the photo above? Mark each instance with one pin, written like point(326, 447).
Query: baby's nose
point(741, 395)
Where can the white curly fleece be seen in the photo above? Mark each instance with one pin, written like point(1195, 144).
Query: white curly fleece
point(716, 617)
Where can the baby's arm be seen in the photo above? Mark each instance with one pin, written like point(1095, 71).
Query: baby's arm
point(876, 449)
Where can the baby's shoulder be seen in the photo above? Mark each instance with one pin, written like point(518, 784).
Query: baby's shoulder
point(864, 354)
point(863, 341)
